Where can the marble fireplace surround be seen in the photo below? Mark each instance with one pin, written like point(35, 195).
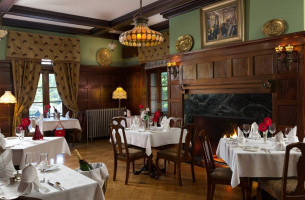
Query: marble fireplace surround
point(220, 114)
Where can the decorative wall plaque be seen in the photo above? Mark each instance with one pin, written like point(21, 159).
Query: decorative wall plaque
point(104, 57)
point(184, 43)
point(274, 27)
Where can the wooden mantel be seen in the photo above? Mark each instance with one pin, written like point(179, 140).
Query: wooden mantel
point(245, 67)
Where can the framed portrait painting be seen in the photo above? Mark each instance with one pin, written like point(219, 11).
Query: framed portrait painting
point(222, 23)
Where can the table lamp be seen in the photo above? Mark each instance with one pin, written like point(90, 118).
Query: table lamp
point(8, 98)
point(119, 93)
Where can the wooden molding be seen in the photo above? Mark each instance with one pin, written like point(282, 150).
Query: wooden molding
point(184, 8)
point(5, 5)
point(44, 27)
point(58, 17)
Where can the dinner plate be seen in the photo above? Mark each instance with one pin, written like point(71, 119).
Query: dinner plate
point(51, 168)
point(251, 148)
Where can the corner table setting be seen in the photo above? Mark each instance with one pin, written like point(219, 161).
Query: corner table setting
point(255, 156)
point(39, 179)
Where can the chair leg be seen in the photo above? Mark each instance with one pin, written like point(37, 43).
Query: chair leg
point(208, 190)
point(243, 191)
point(193, 172)
point(115, 168)
point(157, 166)
point(149, 163)
point(179, 173)
point(258, 192)
point(175, 168)
point(212, 191)
point(127, 172)
point(133, 166)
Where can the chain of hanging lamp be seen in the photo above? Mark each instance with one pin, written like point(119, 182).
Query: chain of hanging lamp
point(3, 33)
point(141, 35)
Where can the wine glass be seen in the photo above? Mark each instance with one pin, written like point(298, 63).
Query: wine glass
point(18, 133)
point(31, 159)
point(43, 164)
point(246, 130)
point(287, 131)
point(272, 129)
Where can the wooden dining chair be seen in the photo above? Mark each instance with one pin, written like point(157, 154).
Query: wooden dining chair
point(183, 153)
point(287, 188)
point(119, 120)
point(175, 122)
point(218, 175)
point(121, 150)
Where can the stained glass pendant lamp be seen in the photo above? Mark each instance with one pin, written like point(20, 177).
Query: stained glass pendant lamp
point(141, 35)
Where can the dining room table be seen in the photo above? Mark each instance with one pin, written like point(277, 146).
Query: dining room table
point(49, 124)
point(152, 138)
point(51, 145)
point(73, 185)
point(256, 159)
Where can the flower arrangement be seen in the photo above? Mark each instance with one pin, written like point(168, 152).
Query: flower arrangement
point(146, 114)
point(47, 111)
point(25, 122)
point(156, 116)
point(141, 107)
point(264, 125)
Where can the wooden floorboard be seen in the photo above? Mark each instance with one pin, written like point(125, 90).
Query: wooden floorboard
point(142, 187)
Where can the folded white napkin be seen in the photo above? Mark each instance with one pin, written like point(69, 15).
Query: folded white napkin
point(279, 144)
point(292, 135)
point(165, 124)
point(254, 129)
point(29, 181)
point(67, 115)
point(240, 133)
point(7, 169)
point(128, 113)
point(2, 141)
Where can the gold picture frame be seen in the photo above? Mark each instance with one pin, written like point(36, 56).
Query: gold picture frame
point(222, 23)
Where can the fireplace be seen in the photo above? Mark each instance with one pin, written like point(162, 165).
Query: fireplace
point(220, 114)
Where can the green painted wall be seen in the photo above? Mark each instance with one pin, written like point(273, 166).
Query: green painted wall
point(257, 12)
point(188, 23)
point(88, 45)
point(260, 11)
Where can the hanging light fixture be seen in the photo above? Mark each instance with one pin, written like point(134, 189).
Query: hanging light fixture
point(3, 33)
point(112, 45)
point(141, 35)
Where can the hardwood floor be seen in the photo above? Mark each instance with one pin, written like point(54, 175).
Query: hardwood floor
point(142, 187)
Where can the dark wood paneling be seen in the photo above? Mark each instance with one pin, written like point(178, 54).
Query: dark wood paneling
point(220, 69)
point(287, 89)
point(189, 72)
point(263, 60)
point(204, 70)
point(6, 83)
point(241, 67)
point(287, 115)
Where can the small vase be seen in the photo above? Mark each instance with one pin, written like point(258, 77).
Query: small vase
point(265, 134)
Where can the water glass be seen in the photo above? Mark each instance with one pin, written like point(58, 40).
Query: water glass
point(44, 162)
point(31, 159)
point(18, 133)
point(241, 141)
point(287, 131)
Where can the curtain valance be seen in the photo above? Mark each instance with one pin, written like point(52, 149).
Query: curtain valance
point(21, 45)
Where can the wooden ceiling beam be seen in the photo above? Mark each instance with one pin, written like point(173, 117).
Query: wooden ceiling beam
point(6, 5)
point(44, 27)
point(184, 8)
point(57, 17)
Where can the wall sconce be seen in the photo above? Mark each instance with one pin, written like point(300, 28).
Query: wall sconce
point(174, 66)
point(285, 56)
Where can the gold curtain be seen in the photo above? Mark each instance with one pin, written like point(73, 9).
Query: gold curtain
point(25, 77)
point(67, 81)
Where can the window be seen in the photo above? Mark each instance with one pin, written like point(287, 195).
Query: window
point(46, 94)
point(157, 83)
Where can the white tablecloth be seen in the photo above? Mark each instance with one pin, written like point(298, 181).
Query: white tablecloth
point(50, 145)
point(254, 164)
point(153, 138)
point(49, 124)
point(77, 186)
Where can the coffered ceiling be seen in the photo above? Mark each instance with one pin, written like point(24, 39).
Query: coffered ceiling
point(92, 17)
